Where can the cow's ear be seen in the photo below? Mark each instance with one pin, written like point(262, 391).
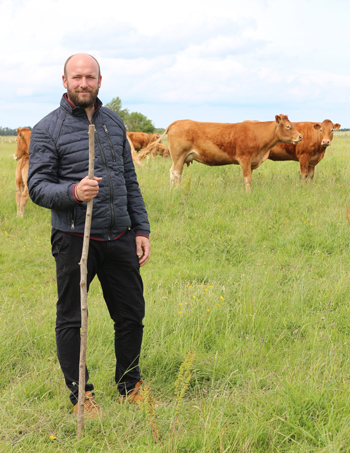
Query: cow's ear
point(278, 119)
point(316, 126)
point(336, 126)
point(18, 130)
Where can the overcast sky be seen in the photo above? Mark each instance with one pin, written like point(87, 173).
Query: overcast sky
point(216, 60)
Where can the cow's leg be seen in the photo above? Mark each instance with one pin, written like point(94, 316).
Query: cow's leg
point(18, 191)
point(23, 201)
point(304, 168)
point(176, 172)
point(24, 192)
point(311, 172)
point(247, 173)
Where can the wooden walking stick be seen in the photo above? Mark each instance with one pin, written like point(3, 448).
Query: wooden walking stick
point(83, 288)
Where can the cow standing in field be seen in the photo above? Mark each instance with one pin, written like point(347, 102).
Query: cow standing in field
point(316, 138)
point(22, 157)
point(246, 144)
point(141, 140)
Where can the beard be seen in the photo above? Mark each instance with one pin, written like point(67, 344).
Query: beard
point(82, 100)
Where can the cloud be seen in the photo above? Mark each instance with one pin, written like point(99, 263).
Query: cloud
point(214, 37)
point(251, 57)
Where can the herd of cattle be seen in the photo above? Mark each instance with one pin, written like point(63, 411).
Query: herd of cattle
point(247, 144)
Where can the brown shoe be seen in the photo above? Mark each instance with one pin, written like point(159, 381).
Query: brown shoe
point(92, 409)
point(136, 397)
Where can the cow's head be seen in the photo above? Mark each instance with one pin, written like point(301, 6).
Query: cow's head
point(326, 129)
point(286, 131)
point(22, 139)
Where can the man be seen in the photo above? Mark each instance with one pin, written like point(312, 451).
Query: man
point(119, 243)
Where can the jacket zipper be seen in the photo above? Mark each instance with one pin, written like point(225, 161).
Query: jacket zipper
point(73, 219)
point(109, 141)
point(110, 184)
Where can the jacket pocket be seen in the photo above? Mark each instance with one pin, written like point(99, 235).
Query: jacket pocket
point(59, 243)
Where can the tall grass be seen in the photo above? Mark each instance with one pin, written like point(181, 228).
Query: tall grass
point(256, 284)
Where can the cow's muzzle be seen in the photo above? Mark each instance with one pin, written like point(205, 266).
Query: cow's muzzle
point(299, 139)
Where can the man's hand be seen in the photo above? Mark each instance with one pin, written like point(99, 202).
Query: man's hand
point(87, 188)
point(143, 249)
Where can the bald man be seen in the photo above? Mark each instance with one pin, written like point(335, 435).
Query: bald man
point(119, 244)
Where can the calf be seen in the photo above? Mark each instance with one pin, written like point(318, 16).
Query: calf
point(159, 150)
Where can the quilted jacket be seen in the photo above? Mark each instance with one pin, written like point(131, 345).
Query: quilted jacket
point(59, 158)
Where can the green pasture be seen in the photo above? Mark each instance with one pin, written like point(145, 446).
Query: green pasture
point(256, 285)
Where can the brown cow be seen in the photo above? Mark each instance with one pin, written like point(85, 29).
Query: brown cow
point(247, 144)
point(311, 150)
point(22, 157)
point(159, 150)
point(141, 139)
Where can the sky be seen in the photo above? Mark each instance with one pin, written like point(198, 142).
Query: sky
point(217, 60)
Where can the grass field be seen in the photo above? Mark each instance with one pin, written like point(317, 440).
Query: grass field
point(257, 285)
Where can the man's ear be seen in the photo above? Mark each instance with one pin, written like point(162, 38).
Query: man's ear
point(64, 81)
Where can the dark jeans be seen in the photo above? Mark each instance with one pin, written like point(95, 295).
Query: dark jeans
point(117, 268)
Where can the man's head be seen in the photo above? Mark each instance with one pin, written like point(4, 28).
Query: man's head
point(82, 79)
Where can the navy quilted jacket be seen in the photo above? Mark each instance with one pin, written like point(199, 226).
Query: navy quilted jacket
point(59, 158)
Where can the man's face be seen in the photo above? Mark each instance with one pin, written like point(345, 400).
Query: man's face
point(82, 80)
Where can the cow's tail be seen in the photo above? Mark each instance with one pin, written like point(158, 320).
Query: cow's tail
point(145, 152)
point(134, 155)
point(153, 144)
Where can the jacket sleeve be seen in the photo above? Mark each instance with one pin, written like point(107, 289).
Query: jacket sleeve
point(136, 206)
point(45, 188)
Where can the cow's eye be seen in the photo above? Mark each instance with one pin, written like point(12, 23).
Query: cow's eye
point(287, 127)
point(321, 130)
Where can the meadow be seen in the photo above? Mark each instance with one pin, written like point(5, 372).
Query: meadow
point(255, 285)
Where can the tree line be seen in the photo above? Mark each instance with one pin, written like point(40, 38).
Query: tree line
point(9, 131)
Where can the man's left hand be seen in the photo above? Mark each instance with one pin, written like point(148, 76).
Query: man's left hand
point(143, 249)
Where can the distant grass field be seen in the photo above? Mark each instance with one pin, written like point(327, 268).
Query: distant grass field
point(257, 285)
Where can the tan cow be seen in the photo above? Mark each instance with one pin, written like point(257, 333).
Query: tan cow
point(22, 157)
point(141, 139)
point(247, 144)
point(311, 150)
point(158, 150)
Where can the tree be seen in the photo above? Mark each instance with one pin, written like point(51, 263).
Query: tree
point(116, 106)
point(134, 121)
